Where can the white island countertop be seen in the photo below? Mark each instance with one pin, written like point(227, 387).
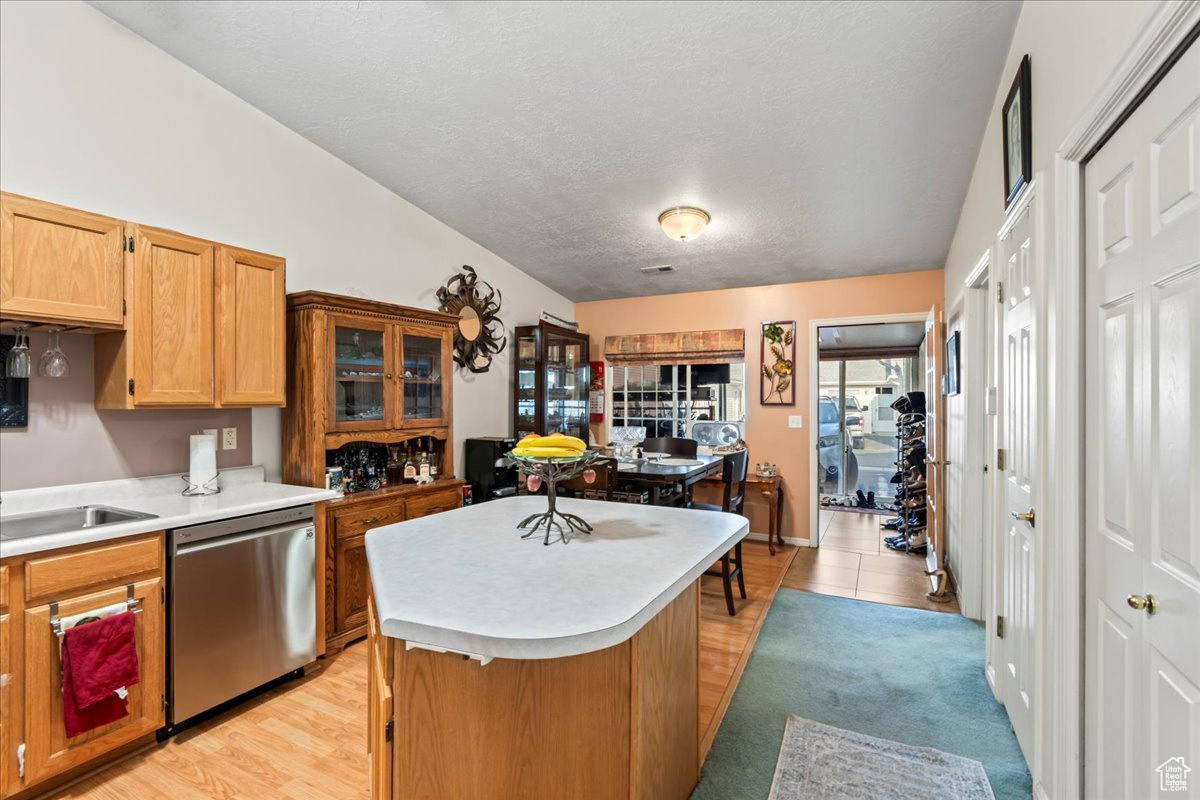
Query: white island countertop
point(465, 580)
point(244, 490)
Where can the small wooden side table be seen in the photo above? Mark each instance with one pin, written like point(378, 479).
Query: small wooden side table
point(772, 489)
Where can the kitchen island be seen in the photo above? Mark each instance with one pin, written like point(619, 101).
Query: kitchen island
point(504, 668)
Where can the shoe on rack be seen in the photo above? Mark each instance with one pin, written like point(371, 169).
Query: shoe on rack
point(897, 478)
point(915, 502)
point(892, 524)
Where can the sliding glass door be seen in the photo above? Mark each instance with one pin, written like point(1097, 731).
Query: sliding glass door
point(857, 444)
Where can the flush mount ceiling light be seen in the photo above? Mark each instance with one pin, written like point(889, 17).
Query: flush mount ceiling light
point(683, 223)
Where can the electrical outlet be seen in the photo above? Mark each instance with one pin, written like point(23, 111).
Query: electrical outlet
point(795, 421)
point(229, 439)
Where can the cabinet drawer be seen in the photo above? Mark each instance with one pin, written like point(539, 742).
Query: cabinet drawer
point(46, 578)
point(357, 520)
point(434, 503)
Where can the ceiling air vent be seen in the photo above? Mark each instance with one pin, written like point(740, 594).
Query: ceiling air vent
point(657, 270)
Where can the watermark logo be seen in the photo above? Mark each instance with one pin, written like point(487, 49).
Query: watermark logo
point(1172, 775)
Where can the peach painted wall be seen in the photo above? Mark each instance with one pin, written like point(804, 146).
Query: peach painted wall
point(767, 432)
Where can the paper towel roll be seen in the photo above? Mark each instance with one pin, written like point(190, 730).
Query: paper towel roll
point(203, 460)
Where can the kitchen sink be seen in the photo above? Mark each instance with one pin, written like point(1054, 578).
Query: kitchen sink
point(65, 520)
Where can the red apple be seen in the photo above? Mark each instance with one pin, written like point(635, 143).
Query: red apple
point(589, 476)
point(533, 483)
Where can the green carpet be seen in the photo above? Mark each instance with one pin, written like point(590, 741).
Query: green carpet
point(898, 673)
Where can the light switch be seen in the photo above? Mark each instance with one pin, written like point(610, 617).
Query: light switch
point(229, 438)
point(795, 421)
point(213, 432)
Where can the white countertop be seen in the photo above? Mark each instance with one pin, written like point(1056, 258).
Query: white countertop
point(244, 490)
point(467, 581)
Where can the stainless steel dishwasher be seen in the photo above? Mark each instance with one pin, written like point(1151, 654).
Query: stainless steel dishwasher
point(243, 607)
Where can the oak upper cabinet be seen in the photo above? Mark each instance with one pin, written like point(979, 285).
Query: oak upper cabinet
point(59, 264)
point(172, 319)
point(251, 328)
point(206, 328)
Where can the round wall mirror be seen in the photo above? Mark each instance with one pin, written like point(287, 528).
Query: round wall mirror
point(480, 332)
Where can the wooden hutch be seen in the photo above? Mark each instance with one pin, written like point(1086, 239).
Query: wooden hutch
point(364, 373)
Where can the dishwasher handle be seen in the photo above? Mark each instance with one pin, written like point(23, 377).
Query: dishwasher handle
point(179, 548)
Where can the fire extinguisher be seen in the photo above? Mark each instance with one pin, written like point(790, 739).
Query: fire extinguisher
point(596, 396)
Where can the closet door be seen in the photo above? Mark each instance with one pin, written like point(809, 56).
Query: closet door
point(172, 325)
point(1142, 234)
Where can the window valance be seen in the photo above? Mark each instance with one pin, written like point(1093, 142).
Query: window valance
point(690, 347)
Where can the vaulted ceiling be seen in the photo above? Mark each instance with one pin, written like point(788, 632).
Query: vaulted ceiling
point(826, 139)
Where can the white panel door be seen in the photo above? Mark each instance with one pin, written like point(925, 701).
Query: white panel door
point(1142, 594)
point(1017, 425)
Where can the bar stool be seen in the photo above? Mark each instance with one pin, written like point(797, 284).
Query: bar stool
point(733, 473)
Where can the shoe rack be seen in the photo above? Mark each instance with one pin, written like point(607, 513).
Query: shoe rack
point(910, 504)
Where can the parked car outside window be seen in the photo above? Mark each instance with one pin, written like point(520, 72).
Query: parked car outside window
point(829, 449)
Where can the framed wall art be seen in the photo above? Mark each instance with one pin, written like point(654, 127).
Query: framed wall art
point(1017, 126)
point(953, 370)
point(778, 357)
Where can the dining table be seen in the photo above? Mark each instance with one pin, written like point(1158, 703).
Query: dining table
point(661, 472)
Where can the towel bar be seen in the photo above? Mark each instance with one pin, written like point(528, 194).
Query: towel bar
point(59, 626)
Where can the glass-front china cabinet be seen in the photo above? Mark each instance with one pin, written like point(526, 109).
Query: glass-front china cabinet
point(551, 387)
point(369, 411)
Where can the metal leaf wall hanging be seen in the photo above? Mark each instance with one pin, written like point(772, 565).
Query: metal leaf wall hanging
point(480, 332)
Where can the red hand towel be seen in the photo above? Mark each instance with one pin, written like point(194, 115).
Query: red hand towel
point(97, 658)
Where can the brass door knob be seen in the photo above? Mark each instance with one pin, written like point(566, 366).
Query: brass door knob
point(934, 462)
point(1024, 516)
point(1139, 602)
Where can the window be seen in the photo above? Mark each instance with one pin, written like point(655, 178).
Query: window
point(667, 398)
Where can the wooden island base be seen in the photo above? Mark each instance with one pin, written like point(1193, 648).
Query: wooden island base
point(616, 723)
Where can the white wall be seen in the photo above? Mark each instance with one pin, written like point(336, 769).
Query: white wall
point(95, 117)
point(1073, 46)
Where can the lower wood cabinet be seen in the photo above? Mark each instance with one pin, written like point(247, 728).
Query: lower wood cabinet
point(48, 750)
point(77, 579)
point(347, 585)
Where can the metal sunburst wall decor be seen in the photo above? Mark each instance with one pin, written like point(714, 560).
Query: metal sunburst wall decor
point(480, 332)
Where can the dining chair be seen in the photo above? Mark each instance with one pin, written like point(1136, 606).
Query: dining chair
point(672, 446)
point(733, 500)
point(605, 483)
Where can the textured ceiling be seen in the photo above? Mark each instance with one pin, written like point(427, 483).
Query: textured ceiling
point(862, 337)
point(825, 138)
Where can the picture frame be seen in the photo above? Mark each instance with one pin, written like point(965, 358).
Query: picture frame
point(1016, 126)
point(953, 368)
point(777, 359)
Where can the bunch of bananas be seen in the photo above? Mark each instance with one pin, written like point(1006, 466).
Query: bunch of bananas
point(556, 445)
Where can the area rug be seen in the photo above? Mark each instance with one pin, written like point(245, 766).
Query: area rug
point(903, 674)
point(821, 762)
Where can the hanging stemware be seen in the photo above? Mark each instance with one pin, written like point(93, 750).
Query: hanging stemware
point(17, 364)
point(54, 362)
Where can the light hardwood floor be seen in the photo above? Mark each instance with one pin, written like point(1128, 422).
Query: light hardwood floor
point(853, 561)
point(307, 740)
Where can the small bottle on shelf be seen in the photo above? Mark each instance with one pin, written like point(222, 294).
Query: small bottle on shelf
point(410, 465)
point(423, 464)
point(433, 461)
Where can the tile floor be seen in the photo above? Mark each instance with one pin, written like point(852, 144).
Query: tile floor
point(853, 561)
